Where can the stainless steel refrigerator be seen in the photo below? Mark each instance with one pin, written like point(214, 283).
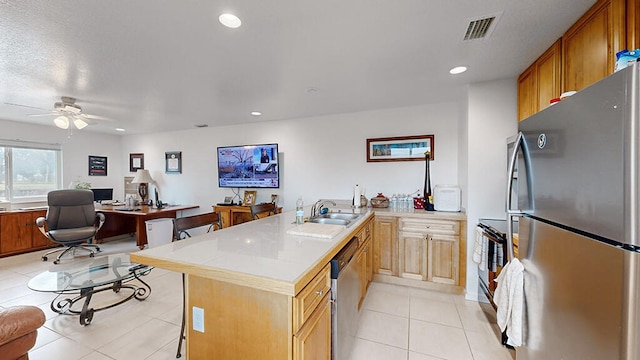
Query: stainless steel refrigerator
point(578, 212)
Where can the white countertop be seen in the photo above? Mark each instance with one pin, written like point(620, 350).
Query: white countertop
point(261, 253)
point(256, 251)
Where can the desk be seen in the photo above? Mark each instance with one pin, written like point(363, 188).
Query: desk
point(119, 222)
point(235, 214)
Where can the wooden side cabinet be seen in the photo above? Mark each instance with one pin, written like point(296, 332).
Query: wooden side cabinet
point(19, 234)
point(235, 214)
point(385, 244)
point(313, 341)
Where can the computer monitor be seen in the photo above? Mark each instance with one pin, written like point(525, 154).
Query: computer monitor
point(102, 194)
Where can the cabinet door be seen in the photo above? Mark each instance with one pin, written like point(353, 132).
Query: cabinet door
point(361, 265)
point(369, 251)
point(385, 246)
point(590, 45)
point(413, 255)
point(16, 232)
point(633, 25)
point(548, 68)
point(527, 93)
point(313, 341)
point(39, 240)
point(443, 258)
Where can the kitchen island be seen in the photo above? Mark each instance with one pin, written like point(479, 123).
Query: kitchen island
point(262, 292)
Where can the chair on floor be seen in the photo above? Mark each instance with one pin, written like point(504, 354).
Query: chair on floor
point(261, 210)
point(181, 227)
point(19, 330)
point(71, 221)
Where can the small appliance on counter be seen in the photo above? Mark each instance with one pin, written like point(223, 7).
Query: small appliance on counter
point(447, 198)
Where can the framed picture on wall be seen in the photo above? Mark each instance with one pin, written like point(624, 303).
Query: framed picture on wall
point(400, 148)
point(173, 162)
point(136, 162)
point(97, 165)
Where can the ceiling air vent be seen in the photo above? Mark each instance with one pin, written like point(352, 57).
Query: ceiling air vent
point(479, 29)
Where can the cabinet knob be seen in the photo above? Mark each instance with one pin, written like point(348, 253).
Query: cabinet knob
point(319, 292)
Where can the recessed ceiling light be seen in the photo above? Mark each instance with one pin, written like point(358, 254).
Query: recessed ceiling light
point(256, 113)
point(230, 20)
point(119, 129)
point(311, 90)
point(458, 70)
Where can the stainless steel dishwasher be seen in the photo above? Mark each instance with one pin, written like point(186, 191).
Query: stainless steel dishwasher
point(345, 294)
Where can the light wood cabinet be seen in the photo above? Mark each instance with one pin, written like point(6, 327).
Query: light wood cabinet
point(540, 82)
point(443, 258)
point(19, 233)
point(385, 244)
point(313, 341)
point(431, 249)
point(364, 264)
point(242, 321)
point(582, 56)
point(633, 24)
point(590, 45)
point(413, 255)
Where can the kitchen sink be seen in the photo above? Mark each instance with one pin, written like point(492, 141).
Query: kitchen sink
point(335, 218)
point(344, 216)
point(326, 220)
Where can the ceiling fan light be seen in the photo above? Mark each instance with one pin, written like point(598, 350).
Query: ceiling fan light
point(62, 122)
point(80, 124)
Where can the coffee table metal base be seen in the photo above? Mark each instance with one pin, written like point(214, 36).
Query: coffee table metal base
point(64, 306)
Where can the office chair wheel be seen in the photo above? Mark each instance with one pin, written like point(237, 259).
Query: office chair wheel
point(56, 262)
point(44, 258)
point(91, 255)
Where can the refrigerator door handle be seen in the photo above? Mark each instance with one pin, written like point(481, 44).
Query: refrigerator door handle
point(511, 213)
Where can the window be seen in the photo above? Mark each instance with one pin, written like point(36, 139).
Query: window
point(28, 171)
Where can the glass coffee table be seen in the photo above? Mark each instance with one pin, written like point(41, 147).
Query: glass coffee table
point(80, 280)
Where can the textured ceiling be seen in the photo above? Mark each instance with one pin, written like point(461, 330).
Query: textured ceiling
point(160, 65)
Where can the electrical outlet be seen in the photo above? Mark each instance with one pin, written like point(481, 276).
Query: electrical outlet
point(198, 319)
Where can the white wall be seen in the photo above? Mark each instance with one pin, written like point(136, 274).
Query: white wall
point(321, 157)
point(75, 151)
point(492, 114)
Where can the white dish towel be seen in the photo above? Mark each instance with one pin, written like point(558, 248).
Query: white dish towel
point(480, 248)
point(509, 298)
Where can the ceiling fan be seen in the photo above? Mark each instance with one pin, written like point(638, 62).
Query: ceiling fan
point(67, 112)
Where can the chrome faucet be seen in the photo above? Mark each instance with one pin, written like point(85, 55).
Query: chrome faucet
point(316, 209)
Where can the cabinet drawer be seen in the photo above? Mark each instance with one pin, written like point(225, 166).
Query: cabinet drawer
point(310, 297)
point(430, 226)
point(364, 233)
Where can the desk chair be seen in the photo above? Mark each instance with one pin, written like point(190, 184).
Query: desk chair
point(70, 221)
point(180, 230)
point(257, 210)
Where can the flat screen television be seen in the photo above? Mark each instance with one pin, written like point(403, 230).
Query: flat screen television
point(102, 194)
point(248, 166)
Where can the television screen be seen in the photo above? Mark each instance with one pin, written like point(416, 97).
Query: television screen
point(249, 166)
point(102, 194)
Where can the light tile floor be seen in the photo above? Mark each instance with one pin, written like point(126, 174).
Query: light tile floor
point(395, 322)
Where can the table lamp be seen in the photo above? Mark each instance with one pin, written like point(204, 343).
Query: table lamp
point(142, 178)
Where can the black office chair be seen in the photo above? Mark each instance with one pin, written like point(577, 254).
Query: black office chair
point(180, 230)
point(71, 221)
point(261, 209)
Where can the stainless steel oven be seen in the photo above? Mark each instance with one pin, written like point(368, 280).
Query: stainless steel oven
point(493, 256)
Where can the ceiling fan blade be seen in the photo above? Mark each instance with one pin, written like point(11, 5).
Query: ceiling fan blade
point(24, 106)
point(48, 114)
point(96, 117)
